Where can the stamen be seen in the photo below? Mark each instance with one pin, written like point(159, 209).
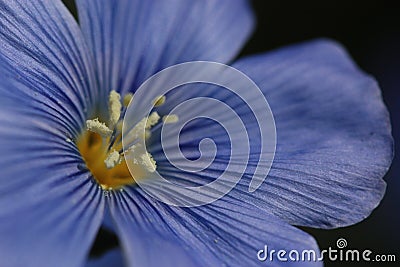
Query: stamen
point(98, 127)
point(114, 108)
point(119, 126)
point(147, 134)
point(152, 120)
point(149, 162)
point(170, 119)
point(142, 157)
point(107, 157)
point(113, 159)
point(159, 100)
point(127, 99)
point(137, 132)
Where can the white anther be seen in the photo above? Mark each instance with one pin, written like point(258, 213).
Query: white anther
point(142, 157)
point(159, 100)
point(170, 118)
point(98, 127)
point(140, 129)
point(147, 134)
point(127, 99)
point(114, 108)
point(148, 162)
point(113, 159)
point(152, 120)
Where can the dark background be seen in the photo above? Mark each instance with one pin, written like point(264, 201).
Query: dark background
point(368, 29)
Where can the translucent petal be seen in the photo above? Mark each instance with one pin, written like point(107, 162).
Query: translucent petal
point(334, 136)
point(133, 39)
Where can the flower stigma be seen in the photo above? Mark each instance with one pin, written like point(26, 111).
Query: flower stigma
point(101, 146)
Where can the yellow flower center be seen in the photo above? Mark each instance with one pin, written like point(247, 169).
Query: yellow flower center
point(94, 153)
point(102, 150)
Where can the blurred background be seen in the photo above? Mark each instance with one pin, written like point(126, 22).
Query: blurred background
point(369, 30)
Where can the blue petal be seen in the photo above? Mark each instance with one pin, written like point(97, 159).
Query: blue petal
point(43, 48)
point(51, 210)
point(141, 244)
point(225, 233)
point(133, 39)
point(334, 136)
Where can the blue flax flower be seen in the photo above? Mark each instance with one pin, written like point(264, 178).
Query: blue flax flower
point(333, 136)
